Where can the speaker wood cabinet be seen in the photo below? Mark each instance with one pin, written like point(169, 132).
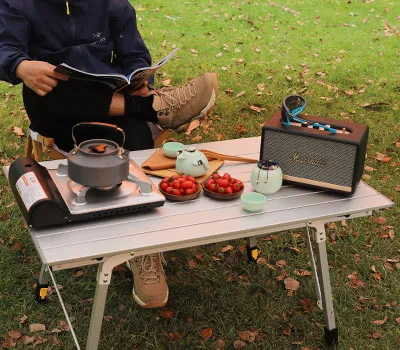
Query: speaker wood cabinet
point(316, 158)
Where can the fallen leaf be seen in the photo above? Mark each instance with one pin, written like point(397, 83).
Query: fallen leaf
point(174, 336)
point(369, 169)
point(200, 257)
point(23, 319)
point(220, 344)
point(380, 322)
point(166, 313)
point(397, 320)
point(14, 334)
point(17, 130)
point(193, 125)
point(239, 344)
point(248, 336)
point(255, 108)
point(241, 93)
point(166, 82)
point(37, 327)
point(206, 333)
point(226, 248)
point(307, 305)
point(380, 220)
point(192, 264)
point(78, 273)
point(26, 339)
point(374, 105)
point(281, 263)
point(291, 284)
point(197, 138)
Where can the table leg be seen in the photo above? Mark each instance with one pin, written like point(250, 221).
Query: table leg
point(42, 284)
point(99, 304)
point(331, 331)
point(103, 280)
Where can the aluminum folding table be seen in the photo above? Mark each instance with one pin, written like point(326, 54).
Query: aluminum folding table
point(177, 225)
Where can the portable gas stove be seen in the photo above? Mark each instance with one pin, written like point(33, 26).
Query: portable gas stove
point(48, 197)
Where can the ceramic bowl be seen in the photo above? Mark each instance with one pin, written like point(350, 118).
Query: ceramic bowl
point(252, 201)
point(171, 149)
point(182, 198)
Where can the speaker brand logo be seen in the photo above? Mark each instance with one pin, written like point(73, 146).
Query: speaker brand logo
point(297, 157)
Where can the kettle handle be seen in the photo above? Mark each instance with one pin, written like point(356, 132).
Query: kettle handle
point(98, 130)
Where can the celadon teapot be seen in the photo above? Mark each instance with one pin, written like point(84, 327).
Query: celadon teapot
point(192, 162)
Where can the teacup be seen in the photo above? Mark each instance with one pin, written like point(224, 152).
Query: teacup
point(171, 149)
point(266, 177)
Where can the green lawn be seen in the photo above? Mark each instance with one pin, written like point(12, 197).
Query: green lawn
point(344, 58)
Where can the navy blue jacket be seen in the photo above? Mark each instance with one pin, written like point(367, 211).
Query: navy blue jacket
point(98, 36)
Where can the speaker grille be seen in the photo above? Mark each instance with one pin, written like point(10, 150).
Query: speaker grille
point(310, 158)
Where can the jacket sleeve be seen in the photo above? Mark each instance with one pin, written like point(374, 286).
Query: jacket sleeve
point(131, 50)
point(14, 36)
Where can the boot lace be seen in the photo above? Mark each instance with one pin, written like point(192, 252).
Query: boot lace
point(150, 267)
point(175, 98)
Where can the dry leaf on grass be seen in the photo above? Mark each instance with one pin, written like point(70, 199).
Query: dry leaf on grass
point(193, 125)
point(380, 220)
point(239, 344)
point(226, 248)
point(166, 82)
point(291, 284)
point(17, 130)
point(206, 333)
point(380, 322)
point(37, 327)
point(166, 313)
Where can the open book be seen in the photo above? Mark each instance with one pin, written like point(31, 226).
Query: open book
point(117, 82)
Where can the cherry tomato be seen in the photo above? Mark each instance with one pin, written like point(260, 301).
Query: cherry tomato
point(236, 187)
point(187, 184)
point(176, 192)
point(228, 190)
point(191, 178)
point(164, 186)
point(227, 176)
point(213, 187)
point(188, 191)
point(223, 182)
point(221, 189)
point(216, 176)
point(176, 184)
point(169, 189)
point(210, 181)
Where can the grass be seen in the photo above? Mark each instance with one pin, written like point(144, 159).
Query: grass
point(340, 56)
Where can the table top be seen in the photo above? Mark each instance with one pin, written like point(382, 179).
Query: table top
point(203, 220)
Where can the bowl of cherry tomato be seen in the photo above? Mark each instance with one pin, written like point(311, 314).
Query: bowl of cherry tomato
point(222, 187)
point(179, 188)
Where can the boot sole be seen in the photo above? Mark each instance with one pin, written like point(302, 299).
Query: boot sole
point(150, 305)
point(203, 113)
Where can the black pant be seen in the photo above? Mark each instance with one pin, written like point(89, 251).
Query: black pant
point(72, 102)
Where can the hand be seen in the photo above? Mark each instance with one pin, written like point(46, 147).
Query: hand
point(39, 76)
point(143, 91)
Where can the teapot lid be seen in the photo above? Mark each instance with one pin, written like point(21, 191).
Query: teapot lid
point(191, 152)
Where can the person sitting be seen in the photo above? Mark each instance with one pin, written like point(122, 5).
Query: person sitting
point(36, 36)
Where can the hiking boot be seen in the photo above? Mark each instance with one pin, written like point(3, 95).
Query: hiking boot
point(176, 107)
point(150, 289)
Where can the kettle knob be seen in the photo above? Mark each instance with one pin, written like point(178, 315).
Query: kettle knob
point(191, 149)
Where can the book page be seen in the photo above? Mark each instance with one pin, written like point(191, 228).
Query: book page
point(115, 81)
point(139, 76)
